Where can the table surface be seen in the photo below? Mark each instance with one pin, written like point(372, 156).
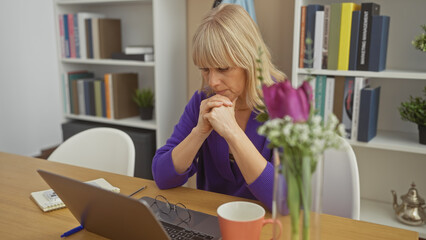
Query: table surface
point(21, 218)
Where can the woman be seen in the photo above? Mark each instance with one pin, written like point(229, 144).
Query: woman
point(216, 136)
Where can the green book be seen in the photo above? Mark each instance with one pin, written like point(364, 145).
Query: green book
point(98, 98)
point(334, 38)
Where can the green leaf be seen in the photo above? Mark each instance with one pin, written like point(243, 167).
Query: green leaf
point(262, 117)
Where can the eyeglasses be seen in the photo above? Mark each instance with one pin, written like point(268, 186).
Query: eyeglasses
point(166, 207)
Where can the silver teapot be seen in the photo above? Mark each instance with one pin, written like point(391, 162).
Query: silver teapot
point(411, 211)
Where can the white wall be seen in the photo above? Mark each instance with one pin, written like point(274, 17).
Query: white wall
point(30, 105)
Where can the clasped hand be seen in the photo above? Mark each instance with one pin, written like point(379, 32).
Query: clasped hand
point(218, 113)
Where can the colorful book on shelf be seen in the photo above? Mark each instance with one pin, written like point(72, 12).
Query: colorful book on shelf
point(72, 77)
point(89, 96)
point(345, 34)
point(83, 110)
point(353, 52)
point(368, 113)
point(123, 88)
point(98, 98)
point(320, 88)
point(71, 35)
point(95, 38)
point(311, 10)
point(319, 32)
point(339, 90)
point(89, 38)
point(109, 36)
point(81, 17)
point(61, 34)
point(379, 43)
point(76, 36)
point(326, 34)
point(109, 96)
point(329, 98)
point(47, 200)
point(334, 36)
point(66, 36)
point(302, 36)
point(367, 11)
point(360, 83)
point(348, 97)
point(103, 98)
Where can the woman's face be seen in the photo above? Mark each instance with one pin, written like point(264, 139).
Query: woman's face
point(229, 82)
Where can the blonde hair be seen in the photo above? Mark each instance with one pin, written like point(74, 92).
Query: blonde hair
point(228, 37)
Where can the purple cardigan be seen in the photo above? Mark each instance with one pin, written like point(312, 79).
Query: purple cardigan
point(215, 172)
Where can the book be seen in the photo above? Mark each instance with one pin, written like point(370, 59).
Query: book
point(319, 32)
point(47, 200)
point(89, 96)
point(368, 113)
point(379, 43)
point(353, 51)
point(123, 88)
point(302, 36)
point(108, 96)
point(61, 34)
point(360, 83)
point(72, 78)
point(320, 89)
point(71, 35)
point(98, 98)
point(76, 36)
point(66, 36)
point(95, 38)
point(89, 38)
point(311, 10)
point(82, 106)
point(348, 97)
point(339, 89)
point(334, 36)
point(326, 34)
point(145, 57)
point(329, 98)
point(138, 49)
point(367, 11)
point(345, 34)
point(109, 36)
point(81, 19)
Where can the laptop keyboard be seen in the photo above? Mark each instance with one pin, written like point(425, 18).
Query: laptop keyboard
point(180, 233)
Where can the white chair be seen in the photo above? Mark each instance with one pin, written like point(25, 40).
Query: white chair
point(105, 149)
point(341, 194)
point(340, 190)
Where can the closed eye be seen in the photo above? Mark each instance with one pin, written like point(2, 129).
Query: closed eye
point(204, 69)
point(223, 69)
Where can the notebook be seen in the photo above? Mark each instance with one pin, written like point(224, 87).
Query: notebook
point(47, 200)
point(117, 216)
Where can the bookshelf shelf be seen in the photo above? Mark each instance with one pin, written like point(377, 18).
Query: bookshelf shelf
point(128, 122)
point(389, 73)
point(393, 141)
point(383, 162)
point(158, 23)
point(383, 213)
point(108, 62)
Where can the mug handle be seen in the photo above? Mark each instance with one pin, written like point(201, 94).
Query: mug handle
point(272, 221)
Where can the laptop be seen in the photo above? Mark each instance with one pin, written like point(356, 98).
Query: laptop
point(117, 216)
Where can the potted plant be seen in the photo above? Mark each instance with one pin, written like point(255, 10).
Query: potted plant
point(414, 111)
point(145, 100)
point(420, 41)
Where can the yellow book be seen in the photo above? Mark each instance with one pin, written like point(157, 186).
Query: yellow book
point(345, 34)
point(47, 200)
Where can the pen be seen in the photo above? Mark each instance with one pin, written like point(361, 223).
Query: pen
point(140, 189)
point(72, 231)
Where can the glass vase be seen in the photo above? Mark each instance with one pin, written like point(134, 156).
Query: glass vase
point(297, 196)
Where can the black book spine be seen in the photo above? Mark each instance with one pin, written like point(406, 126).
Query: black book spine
point(367, 11)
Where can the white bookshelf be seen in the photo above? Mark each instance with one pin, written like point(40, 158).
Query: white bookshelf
point(396, 142)
point(161, 23)
point(383, 213)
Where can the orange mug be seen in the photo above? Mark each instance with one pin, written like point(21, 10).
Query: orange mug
point(242, 220)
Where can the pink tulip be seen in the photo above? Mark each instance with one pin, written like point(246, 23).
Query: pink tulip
point(281, 100)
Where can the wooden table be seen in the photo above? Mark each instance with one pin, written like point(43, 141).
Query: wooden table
point(21, 218)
